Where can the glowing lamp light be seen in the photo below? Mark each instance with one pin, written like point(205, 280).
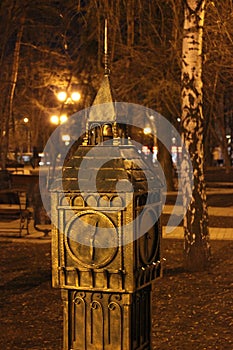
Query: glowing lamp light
point(147, 130)
point(63, 118)
point(62, 96)
point(26, 120)
point(146, 150)
point(66, 139)
point(58, 120)
point(54, 119)
point(75, 96)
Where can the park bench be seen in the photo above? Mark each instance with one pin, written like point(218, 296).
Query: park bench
point(14, 213)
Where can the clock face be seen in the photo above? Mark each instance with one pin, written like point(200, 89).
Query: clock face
point(149, 241)
point(91, 239)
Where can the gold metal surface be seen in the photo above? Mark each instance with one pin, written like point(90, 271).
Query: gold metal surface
point(96, 282)
point(106, 289)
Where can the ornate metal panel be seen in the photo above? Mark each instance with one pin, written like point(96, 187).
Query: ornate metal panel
point(106, 321)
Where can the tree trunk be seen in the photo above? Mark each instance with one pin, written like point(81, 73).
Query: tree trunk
point(165, 160)
point(196, 233)
point(130, 23)
point(8, 110)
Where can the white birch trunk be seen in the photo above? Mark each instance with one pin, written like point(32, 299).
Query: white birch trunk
point(196, 232)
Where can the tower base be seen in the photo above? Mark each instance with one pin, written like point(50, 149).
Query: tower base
point(106, 321)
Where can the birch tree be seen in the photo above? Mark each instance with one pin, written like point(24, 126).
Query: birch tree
point(196, 219)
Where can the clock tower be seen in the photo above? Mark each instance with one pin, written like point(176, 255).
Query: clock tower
point(106, 238)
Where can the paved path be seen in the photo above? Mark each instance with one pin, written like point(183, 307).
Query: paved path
point(212, 211)
point(220, 212)
point(216, 233)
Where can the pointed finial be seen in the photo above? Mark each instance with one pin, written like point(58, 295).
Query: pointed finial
point(106, 67)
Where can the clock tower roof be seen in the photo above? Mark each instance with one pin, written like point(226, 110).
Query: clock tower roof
point(103, 106)
point(105, 165)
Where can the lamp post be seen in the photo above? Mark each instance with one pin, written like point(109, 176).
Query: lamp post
point(28, 133)
point(67, 99)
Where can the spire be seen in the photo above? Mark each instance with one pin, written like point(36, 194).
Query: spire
point(106, 67)
point(104, 95)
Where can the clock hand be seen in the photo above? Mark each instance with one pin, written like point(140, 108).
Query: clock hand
point(146, 243)
point(92, 239)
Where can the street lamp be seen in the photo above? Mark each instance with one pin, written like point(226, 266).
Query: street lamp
point(67, 98)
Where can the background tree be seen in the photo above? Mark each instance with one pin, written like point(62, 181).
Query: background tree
point(196, 217)
point(9, 60)
point(62, 46)
point(217, 77)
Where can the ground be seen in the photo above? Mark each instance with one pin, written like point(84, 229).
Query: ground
point(194, 310)
point(190, 310)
